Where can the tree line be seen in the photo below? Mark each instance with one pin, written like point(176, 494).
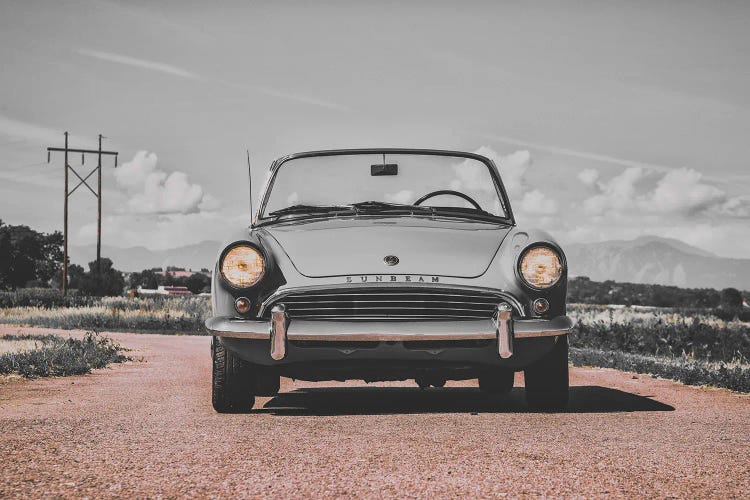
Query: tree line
point(582, 290)
point(33, 259)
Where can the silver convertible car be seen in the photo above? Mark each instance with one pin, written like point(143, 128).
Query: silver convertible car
point(388, 264)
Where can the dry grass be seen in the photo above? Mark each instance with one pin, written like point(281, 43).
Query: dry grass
point(693, 347)
point(160, 314)
point(590, 313)
point(58, 356)
point(16, 346)
point(734, 375)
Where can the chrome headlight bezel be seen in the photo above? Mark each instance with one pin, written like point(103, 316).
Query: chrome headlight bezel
point(560, 258)
point(233, 246)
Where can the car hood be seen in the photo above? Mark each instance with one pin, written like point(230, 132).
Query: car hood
point(340, 247)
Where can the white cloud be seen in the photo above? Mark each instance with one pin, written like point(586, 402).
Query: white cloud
point(471, 176)
point(164, 231)
point(208, 203)
point(589, 176)
point(138, 63)
point(738, 206)
point(679, 192)
point(184, 73)
point(289, 96)
point(24, 131)
point(619, 193)
point(404, 196)
point(638, 200)
point(293, 198)
point(154, 191)
point(301, 98)
point(133, 174)
point(512, 169)
point(727, 239)
point(534, 202)
point(682, 191)
point(585, 155)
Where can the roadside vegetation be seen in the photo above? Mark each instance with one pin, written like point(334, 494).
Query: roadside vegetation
point(158, 314)
point(692, 346)
point(695, 345)
point(726, 303)
point(50, 355)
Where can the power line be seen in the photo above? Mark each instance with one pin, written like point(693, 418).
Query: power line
point(83, 182)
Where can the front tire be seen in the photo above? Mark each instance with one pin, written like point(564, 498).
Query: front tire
point(231, 387)
point(547, 380)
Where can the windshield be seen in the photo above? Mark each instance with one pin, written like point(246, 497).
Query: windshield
point(441, 185)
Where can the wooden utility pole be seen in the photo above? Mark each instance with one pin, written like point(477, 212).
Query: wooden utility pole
point(99, 209)
point(65, 223)
point(68, 193)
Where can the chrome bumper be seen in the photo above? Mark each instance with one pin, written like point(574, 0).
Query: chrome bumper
point(281, 329)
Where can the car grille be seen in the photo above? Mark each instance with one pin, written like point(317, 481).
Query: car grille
point(389, 303)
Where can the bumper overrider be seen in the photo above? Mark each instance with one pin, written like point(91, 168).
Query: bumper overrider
point(281, 329)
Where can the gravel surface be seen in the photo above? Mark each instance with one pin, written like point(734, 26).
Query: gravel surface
point(147, 429)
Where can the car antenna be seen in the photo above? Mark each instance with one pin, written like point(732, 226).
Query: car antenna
point(250, 182)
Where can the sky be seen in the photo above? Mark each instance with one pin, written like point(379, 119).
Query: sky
point(610, 120)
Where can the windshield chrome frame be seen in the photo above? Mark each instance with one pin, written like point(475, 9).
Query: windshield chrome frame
point(499, 186)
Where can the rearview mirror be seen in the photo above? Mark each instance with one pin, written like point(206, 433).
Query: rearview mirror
point(384, 169)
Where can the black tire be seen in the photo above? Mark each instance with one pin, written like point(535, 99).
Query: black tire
point(497, 381)
point(231, 387)
point(547, 379)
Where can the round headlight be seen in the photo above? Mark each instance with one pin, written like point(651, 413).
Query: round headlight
point(242, 266)
point(541, 267)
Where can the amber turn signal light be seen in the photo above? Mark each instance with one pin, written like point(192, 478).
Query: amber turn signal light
point(242, 305)
point(541, 306)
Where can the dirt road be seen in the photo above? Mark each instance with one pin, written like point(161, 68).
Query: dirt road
point(147, 428)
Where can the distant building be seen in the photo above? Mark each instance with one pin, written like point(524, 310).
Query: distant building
point(165, 290)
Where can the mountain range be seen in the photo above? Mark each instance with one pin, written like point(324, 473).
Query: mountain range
point(196, 256)
point(656, 260)
point(648, 259)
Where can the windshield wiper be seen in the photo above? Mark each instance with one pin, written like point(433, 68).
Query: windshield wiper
point(465, 213)
point(381, 206)
point(309, 209)
point(400, 208)
point(364, 207)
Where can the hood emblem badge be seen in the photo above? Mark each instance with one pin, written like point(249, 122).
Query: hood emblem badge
point(390, 260)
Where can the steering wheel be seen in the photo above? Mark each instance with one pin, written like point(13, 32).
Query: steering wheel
point(450, 192)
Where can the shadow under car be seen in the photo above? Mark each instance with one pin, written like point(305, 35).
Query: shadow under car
point(407, 400)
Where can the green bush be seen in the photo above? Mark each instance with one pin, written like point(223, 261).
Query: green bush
point(693, 346)
point(689, 371)
point(693, 338)
point(58, 356)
